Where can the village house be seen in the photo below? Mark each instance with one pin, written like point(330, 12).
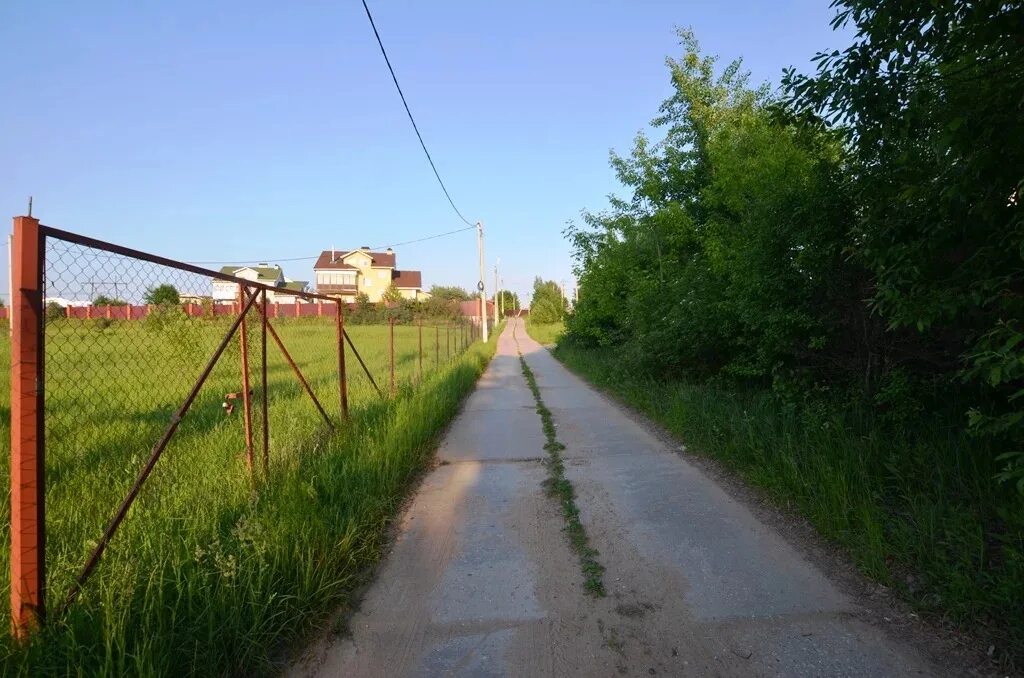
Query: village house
point(346, 273)
point(225, 292)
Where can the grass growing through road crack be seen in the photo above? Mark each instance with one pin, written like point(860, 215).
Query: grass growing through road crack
point(560, 488)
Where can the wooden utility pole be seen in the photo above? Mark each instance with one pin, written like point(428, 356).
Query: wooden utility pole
point(496, 293)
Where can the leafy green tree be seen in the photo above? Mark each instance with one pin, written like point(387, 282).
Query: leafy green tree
point(104, 300)
point(163, 295)
point(547, 304)
point(392, 295)
point(928, 96)
point(728, 256)
point(449, 292)
point(441, 308)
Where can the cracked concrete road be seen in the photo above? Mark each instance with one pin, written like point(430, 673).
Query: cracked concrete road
point(481, 580)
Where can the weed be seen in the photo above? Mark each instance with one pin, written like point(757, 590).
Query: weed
point(559, 487)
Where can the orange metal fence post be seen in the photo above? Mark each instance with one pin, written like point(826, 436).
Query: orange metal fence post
point(339, 323)
point(243, 342)
point(28, 535)
point(391, 351)
point(437, 346)
point(420, 330)
point(265, 397)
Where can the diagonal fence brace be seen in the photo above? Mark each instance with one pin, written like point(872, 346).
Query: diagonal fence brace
point(365, 369)
point(298, 373)
point(154, 457)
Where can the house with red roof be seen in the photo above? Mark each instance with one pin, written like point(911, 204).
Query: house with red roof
point(346, 273)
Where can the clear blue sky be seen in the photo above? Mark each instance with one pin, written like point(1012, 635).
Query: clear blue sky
point(256, 130)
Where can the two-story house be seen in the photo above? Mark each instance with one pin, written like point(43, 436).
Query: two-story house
point(346, 273)
point(225, 292)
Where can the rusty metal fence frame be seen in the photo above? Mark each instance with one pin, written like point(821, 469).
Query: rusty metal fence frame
point(28, 386)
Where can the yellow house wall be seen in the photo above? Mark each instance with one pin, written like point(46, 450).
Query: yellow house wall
point(370, 281)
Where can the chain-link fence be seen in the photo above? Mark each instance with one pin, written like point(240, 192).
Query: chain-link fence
point(171, 376)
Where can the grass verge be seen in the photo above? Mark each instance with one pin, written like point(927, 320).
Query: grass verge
point(545, 333)
point(212, 576)
point(916, 509)
point(560, 488)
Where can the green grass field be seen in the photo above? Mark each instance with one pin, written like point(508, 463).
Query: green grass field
point(210, 572)
point(545, 333)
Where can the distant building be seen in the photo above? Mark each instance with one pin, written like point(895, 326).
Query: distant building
point(345, 274)
point(225, 292)
point(197, 299)
point(289, 293)
point(65, 303)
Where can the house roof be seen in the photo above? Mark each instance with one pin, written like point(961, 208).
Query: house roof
point(407, 279)
point(296, 285)
point(269, 272)
point(381, 259)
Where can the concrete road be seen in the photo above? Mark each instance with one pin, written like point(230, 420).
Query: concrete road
point(481, 580)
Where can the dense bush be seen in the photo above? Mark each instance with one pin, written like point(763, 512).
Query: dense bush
point(862, 234)
point(432, 311)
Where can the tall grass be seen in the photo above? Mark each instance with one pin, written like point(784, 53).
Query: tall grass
point(916, 507)
point(211, 573)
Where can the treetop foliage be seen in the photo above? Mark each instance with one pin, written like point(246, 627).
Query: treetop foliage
point(163, 295)
point(449, 292)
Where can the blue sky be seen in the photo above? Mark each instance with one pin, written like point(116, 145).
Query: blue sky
point(253, 131)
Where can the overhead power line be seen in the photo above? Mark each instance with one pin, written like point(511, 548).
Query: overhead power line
point(429, 237)
point(412, 119)
point(377, 247)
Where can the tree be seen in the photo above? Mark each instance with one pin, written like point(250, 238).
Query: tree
point(928, 96)
point(548, 304)
point(392, 295)
point(163, 295)
point(449, 292)
point(104, 300)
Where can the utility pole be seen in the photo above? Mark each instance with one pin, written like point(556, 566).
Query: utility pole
point(497, 291)
point(501, 298)
point(480, 285)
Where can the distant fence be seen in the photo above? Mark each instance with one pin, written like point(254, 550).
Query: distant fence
point(104, 399)
point(318, 309)
point(276, 309)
